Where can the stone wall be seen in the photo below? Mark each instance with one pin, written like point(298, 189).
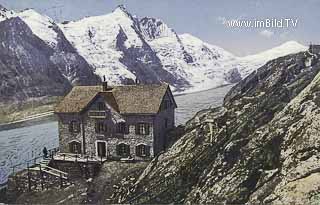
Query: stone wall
point(77, 169)
point(65, 136)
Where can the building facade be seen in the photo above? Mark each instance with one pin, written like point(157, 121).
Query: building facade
point(116, 122)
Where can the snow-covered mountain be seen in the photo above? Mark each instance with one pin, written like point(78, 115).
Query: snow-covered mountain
point(255, 61)
point(151, 51)
point(122, 47)
point(115, 45)
point(36, 59)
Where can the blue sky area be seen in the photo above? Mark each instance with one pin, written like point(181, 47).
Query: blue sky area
point(205, 19)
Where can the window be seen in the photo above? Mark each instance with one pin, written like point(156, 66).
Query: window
point(165, 105)
point(123, 150)
point(143, 150)
point(75, 147)
point(74, 126)
point(142, 129)
point(121, 127)
point(166, 123)
point(101, 127)
point(101, 106)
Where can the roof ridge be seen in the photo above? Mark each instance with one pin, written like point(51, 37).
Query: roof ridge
point(142, 98)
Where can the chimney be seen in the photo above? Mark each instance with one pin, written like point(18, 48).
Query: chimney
point(137, 81)
point(104, 86)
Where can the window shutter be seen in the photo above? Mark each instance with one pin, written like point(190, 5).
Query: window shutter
point(127, 127)
point(140, 150)
point(127, 150)
point(147, 129)
point(105, 127)
point(147, 151)
point(70, 147)
point(96, 127)
point(70, 126)
point(137, 129)
point(137, 151)
point(78, 127)
point(118, 150)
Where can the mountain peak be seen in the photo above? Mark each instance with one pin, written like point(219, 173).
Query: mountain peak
point(31, 13)
point(278, 51)
point(122, 9)
point(292, 44)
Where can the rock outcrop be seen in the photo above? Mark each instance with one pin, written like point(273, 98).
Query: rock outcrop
point(261, 146)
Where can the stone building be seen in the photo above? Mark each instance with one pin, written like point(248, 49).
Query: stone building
point(116, 122)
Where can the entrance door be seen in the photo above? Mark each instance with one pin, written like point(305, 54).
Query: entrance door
point(102, 149)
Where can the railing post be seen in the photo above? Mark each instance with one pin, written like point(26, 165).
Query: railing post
point(61, 182)
point(64, 157)
point(41, 176)
point(29, 178)
point(76, 157)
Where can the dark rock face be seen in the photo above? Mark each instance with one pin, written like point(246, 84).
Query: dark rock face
point(233, 76)
point(150, 27)
point(25, 66)
point(31, 68)
point(261, 146)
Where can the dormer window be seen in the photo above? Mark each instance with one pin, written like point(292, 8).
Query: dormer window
point(101, 106)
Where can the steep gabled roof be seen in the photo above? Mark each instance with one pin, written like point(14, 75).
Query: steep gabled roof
point(77, 99)
point(126, 99)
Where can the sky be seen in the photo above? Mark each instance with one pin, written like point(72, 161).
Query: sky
point(209, 20)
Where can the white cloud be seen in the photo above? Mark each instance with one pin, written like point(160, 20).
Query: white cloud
point(222, 20)
point(266, 33)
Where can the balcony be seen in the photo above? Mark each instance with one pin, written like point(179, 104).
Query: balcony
point(99, 114)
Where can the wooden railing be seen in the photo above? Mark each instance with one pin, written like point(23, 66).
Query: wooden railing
point(79, 158)
point(33, 161)
point(97, 114)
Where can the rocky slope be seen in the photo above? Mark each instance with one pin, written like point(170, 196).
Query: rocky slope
point(261, 146)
